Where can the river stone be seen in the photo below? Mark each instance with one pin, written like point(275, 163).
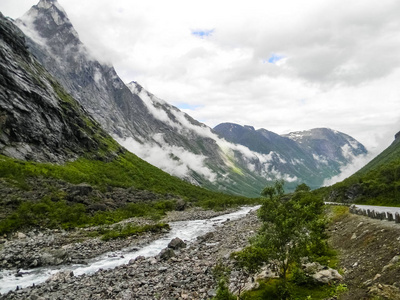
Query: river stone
point(61, 276)
point(176, 243)
point(327, 276)
point(207, 236)
point(21, 235)
point(167, 253)
point(180, 205)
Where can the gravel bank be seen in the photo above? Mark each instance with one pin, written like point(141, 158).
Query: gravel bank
point(184, 273)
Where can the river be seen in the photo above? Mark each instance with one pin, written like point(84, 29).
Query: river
point(185, 230)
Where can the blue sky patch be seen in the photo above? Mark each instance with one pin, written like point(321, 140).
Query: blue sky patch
point(186, 106)
point(202, 33)
point(274, 58)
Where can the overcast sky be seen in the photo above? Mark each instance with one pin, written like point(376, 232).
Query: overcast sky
point(280, 65)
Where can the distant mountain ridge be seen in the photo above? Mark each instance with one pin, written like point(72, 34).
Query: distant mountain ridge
point(310, 155)
point(148, 126)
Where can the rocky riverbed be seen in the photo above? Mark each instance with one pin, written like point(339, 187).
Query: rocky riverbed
point(55, 247)
point(180, 273)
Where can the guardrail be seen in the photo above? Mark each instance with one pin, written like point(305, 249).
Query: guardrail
point(374, 214)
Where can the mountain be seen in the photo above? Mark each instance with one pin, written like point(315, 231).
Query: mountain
point(39, 121)
point(377, 183)
point(310, 155)
point(144, 124)
point(57, 165)
point(148, 126)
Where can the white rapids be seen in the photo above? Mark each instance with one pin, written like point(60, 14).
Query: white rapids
point(185, 230)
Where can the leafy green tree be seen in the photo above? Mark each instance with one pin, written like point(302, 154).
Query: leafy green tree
point(291, 229)
point(221, 274)
point(247, 262)
point(302, 187)
point(276, 189)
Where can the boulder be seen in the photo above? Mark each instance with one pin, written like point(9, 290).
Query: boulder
point(176, 243)
point(167, 253)
point(180, 205)
point(82, 189)
point(321, 274)
point(205, 237)
point(327, 276)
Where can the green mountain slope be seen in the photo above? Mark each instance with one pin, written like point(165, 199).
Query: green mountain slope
point(377, 183)
point(58, 167)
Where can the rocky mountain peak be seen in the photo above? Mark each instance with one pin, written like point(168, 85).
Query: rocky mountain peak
point(48, 22)
point(46, 4)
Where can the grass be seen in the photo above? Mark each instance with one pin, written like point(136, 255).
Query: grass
point(337, 212)
point(377, 183)
point(271, 289)
point(125, 171)
point(58, 214)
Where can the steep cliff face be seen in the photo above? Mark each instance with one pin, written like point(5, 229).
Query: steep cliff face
point(38, 120)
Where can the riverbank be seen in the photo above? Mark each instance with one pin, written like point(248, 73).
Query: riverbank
point(38, 248)
point(186, 274)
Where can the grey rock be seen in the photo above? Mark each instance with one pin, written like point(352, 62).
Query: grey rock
point(327, 276)
point(167, 253)
point(176, 243)
point(211, 293)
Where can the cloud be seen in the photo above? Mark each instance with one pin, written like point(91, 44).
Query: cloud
point(171, 159)
point(345, 171)
point(340, 69)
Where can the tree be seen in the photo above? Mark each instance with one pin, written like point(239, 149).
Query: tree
point(302, 187)
point(288, 227)
point(272, 190)
point(247, 262)
point(291, 227)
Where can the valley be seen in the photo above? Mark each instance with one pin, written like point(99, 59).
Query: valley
point(98, 177)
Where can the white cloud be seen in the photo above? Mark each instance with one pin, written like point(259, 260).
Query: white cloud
point(171, 159)
point(345, 171)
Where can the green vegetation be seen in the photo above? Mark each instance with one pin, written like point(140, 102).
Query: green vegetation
point(125, 171)
point(337, 212)
point(272, 289)
point(293, 228)
point(58, 214)
point(221, 274)
point(378, 183)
